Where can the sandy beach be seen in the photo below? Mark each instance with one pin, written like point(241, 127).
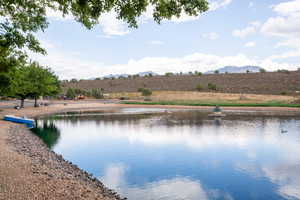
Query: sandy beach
point(29, 170)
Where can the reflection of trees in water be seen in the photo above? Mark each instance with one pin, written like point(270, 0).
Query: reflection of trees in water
point(169, 119)
point(107, 119)
point(48, 132)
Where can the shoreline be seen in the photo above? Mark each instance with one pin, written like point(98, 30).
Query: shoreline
point(29, 170)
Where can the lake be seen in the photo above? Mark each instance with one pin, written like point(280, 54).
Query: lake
point(153, 154)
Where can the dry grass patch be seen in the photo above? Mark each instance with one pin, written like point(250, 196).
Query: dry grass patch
point(206, 97)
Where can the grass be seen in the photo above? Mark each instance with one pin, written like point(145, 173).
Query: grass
point(227, 104)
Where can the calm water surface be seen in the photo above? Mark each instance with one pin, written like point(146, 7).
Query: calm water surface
point(183, 154)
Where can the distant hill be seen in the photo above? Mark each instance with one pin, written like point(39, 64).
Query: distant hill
point(254, 83)
point(235, 69)
point(142, 74)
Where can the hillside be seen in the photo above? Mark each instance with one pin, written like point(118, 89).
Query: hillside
point(255, 83)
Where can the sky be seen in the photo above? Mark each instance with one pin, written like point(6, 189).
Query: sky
point(263, 33)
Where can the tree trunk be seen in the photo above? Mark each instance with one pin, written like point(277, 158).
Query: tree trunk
point(35, 102)
point(22, 103)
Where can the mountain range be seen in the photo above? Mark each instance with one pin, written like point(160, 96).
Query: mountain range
point(235, 69)
point(223, 70)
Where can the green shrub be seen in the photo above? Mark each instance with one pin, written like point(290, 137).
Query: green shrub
point(71, 93)
point(216, 72)
point(169, 74)
point(212, 86)
point(199, 87)
point(262, 70)
point(146, 92)
point(97, 94)
point(140, 89)
point(283, 71)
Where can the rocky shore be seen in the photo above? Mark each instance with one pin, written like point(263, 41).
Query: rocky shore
point(55, 168)
point(29, 170)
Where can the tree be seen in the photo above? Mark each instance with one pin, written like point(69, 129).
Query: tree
point(262, 70)
point(216, 71)
point(32, 80)
point(199, 87)
point(146, 92)
point(212, 86)
point(20, 19)
point(43, 82)
point(97, 94)
point(70, 93)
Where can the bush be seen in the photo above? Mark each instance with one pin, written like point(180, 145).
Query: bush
point(145, 92)
point(199, 87)
point(169, 74)
point(216, 72)
point(212, 86)
point(70, 93)
point(97, 94)
point(140, 89)
point(283, 93)
point(262, 70)
point(283, 71)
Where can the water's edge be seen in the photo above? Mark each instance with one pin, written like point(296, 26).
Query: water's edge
point(31, 146)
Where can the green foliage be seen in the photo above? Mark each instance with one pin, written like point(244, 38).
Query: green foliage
point(169, 74)
point(22, 19)
point(262, 70)
point(212, 86)
point(33, 80)
point(140, 89)
point(71, 93)
point(74, 80)
point(145, 92)
point(199, 73)
point(97, 93)
point(283, 71)
point(216, 72)
point(199, 87)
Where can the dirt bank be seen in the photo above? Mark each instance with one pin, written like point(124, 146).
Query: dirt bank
point(29, 170)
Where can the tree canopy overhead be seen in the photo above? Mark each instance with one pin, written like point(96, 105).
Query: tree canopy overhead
point(19, 19)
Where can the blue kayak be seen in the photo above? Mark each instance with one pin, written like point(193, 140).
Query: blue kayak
point(21, 120)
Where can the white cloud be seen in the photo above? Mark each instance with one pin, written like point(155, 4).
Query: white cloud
point(69, 64)
point(250, 44)
point(214, 5)
point(251, 4)
point(285, 26)
point(244, 32)
point(288, 8)
point(250, 30)
point(112, 26)
point(156, 42)
point(211, 36)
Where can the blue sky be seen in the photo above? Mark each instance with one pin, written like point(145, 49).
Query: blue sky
point(232, 32)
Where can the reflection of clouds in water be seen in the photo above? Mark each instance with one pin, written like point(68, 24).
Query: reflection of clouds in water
point(284, 173)
point(171, 189)
point(236, 133)
point(287, 177)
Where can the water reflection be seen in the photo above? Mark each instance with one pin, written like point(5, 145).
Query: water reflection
point(47, 131)
point(185, 154)
point(176, 188)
